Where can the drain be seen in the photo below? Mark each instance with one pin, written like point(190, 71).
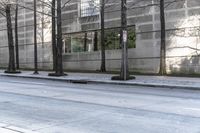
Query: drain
point(79, 81)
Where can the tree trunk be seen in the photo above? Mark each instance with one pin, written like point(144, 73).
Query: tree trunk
point(95, 41)
point(163, 40)
point(59, 40)
point(11, 65)
point(103, 56)
point(124, 64)
point(16, 36)
point(54, 47)
point(85, 42)
point(35, 39)
point(124, 74)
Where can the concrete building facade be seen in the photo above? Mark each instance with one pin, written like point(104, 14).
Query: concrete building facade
point(81, 36)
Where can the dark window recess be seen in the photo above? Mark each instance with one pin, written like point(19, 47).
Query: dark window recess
point(90, 41)
point(112, 38)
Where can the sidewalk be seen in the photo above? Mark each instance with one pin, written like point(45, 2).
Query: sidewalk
point(93, 78)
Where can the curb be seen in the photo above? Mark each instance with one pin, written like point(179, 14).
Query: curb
point(86, 81)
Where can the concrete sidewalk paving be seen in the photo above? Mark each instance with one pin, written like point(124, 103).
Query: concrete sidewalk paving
point(151, 81)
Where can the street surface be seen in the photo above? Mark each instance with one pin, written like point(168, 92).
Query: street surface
point(42, 106)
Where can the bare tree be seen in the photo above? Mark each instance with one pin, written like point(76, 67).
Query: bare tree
point(54, 51)
point(59, 70)
point(35, 39)
point(16, 36)
point(103, 56)
point(58, 45)
point(5, 10)
point(124, 75)
point(163, 5)
point(163, 39)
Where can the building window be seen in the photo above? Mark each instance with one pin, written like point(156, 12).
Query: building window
point(89, 8)
point(82, 42)
point(131, 37)
point(112, 38)
point(91, 40)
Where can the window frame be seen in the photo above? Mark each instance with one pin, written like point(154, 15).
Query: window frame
point(99, 31)
point(86, 10)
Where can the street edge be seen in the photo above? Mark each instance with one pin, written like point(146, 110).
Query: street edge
point(80, 81)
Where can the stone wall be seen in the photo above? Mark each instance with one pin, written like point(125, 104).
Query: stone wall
point(26, 33)
point(144, 58)
point(182, 27)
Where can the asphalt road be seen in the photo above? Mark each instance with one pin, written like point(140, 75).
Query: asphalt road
point(56, 107)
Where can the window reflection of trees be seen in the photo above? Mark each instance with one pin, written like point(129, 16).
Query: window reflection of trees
point(90, 41)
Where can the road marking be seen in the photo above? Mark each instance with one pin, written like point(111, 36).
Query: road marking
point(29, 83)
point(19, 130)
point(3, 130)
point(36, 83)
point(194, 109)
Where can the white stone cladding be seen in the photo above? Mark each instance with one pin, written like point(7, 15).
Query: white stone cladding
point(182, 29)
